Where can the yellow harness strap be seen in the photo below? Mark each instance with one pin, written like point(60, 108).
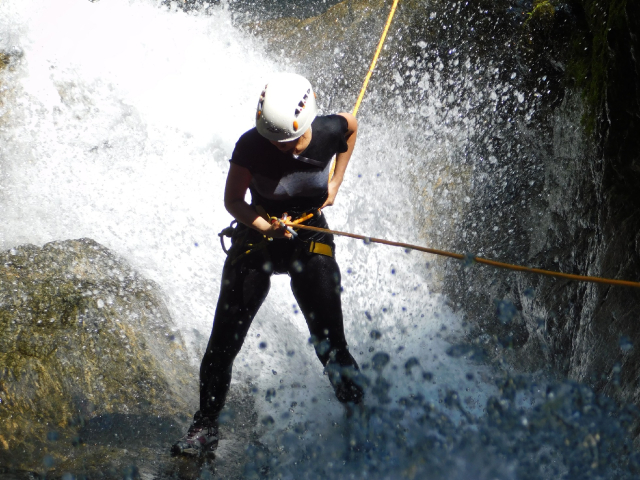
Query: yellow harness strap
point(314, 247)
point(321, 248)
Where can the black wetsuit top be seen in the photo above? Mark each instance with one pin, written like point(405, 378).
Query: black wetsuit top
point(283, 183)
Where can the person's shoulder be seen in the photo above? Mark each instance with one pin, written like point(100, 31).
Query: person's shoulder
point(251, 137)
point(330, 131)
point(251, 141)
point(333, 123)
point(248, 147)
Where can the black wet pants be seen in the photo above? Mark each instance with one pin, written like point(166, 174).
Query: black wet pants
point(315, 282)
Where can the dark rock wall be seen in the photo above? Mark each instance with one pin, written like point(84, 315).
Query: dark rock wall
point(583, 215)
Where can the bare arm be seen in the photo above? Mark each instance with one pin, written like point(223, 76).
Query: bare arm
point(342, 159)
point(238, 180)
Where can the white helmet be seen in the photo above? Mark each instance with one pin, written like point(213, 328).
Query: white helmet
point(286, 108)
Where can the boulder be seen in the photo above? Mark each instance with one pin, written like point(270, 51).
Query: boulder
point(84, 340)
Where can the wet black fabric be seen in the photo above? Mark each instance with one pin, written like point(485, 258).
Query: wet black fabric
point(281, 181)
point(315, 282)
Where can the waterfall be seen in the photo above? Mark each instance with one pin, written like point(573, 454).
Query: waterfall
point(117, 120)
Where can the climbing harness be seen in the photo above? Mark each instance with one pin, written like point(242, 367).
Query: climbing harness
point(285, 221)
point(227, 232)
point(231, 232)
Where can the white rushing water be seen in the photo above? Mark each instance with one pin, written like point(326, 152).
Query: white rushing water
point(117, 122)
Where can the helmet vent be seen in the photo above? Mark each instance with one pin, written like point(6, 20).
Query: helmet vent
point(261, 103)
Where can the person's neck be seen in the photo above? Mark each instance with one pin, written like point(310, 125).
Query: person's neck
point(303, 143)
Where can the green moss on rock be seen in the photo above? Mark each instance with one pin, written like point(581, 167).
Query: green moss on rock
point(81, 336)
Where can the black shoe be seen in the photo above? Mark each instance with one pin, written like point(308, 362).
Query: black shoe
point(201, 438)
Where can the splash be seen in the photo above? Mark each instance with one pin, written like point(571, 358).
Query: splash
point(117, 122)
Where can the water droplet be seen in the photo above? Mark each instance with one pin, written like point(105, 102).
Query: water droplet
point(270, 395)
point(625, 343)
point(380, 360)
point(505, 310)
point(409, 364)
point(468, 260)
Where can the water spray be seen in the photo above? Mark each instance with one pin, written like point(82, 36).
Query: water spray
point(469, 258)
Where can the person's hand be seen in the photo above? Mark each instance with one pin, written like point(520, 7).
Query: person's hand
point(277, 229)
point(333, 191)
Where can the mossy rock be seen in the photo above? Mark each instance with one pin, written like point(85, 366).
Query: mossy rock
point(82, 336)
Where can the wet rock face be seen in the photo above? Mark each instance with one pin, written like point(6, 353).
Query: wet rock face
point(82, 337)
point(578, 185)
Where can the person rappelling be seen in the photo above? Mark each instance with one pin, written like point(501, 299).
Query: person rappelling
point(285, 162)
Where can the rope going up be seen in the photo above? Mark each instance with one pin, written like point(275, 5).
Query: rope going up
point(375, 58)
point(470, 258)
point(370, 72)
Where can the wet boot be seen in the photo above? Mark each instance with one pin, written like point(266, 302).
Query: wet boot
point(201, 438)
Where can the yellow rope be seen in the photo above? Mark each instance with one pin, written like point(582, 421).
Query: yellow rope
point(368, 76)
point(493, 263)
point(375, 58)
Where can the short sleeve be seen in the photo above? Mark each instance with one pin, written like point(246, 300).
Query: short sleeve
point(242, 153)
point(334, 132)
point(338, 127)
